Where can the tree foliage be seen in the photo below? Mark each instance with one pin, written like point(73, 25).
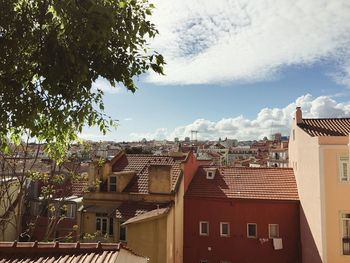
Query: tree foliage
point(51, 52)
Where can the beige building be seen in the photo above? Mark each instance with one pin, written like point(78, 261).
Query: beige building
point(133, 185)
point(319, 155)
point(9, 202)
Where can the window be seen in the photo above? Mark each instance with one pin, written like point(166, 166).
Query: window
point(210, 174)
point(346, 234)
point(112, 184)
point(122, 232)
point(274, 231)
point(224, 229)
point(251, 230)
point(344, 169)
point(104, 225)
point(204, 228)
point(68, 210)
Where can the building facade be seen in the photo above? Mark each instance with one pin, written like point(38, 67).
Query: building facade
point(134, 185)
point(241, 215)
point(319, 155)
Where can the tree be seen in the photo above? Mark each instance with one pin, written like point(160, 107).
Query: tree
point(51, 52)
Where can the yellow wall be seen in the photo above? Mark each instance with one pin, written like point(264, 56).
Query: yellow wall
point(149, 238)
point(337, 200)
point(178, 224)
point(159, 179)
point(88, 226)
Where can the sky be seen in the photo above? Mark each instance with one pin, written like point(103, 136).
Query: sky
point(236, 69)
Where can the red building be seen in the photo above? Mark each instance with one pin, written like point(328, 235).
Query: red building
point(242, 215)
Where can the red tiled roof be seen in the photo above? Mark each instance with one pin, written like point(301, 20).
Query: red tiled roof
point(59, 252)
point(326, 127)
point(78, 188)
point(140, 163)
point(246, 183)
point(129, 210)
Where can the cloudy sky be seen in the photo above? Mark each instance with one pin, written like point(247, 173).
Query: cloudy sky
point(237, 69)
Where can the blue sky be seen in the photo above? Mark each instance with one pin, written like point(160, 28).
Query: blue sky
point(239, 78)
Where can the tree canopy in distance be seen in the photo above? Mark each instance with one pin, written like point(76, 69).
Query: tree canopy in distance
point(51, 51)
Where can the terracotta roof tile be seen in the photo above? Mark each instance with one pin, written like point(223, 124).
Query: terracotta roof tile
point(140, 163)
point(246, 183)
point(326, 127)
point(31, 252)
point(78, 188)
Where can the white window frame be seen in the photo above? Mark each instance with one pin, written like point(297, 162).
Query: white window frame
point(71, 209)
point(101, 224)
point(256, 230)
point(344, 160)
point(200, 228)
point(109, 183)
point(342, 219)
point(221, 229)
point(210, 175)
point(278, 230)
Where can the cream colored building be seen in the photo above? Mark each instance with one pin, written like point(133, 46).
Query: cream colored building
point(319, 155)
point(8, 209)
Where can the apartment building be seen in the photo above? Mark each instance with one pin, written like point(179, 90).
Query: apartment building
point(319, 155)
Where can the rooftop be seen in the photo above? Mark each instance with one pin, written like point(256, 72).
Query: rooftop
point(62, 252)
point(140, 163)
point(134, 209)
point(245, 183)
point(156, 213)
point(326, 127)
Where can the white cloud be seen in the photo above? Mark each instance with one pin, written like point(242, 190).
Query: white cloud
point(127, 119)
point(104, 85)
point(267, 121)
point(159, 134)
point(207, 41)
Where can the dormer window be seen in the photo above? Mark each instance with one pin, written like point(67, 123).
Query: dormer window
point(112, 186)
point(210, 173)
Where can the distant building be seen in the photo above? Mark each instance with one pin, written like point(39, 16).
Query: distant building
point(278, 157)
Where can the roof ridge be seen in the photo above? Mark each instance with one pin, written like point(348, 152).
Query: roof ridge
point(343, 118)
point(60, 245)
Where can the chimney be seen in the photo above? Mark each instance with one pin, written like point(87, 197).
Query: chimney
point(298, 115)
